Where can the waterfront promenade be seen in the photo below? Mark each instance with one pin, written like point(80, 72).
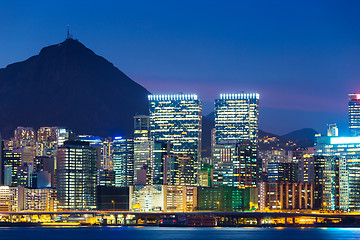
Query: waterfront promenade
point(132, 218)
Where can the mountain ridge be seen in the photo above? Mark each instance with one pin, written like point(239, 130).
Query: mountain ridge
point(103, 99)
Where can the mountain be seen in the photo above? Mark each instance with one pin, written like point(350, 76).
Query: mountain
point(270, 141)
point(69, 85)
point(304, 137)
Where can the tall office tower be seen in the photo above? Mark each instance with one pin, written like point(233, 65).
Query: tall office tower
point(24, 137)
point(330, 183)
point(123, 157)
point(142, 150)
point(76, 176)
point(236, 125)
point(177, 119)
point(354, 114)
point(237, 117)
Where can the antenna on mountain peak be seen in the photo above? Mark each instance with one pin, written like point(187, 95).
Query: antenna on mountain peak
point(68, 36)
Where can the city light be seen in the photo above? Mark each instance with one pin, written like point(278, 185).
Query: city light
point(345, 140)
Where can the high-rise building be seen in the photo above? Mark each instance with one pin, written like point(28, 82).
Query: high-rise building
point(76, 176)
point(347, 149)
point(354, 114)
point(142, 150)
point(237, 117)
point(236, 136)
point(123, 157)
point(236, 164)
point(177, 119)
point(330, 183)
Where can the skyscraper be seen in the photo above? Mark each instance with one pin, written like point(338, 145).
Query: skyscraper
point(354, 114)
point(76, 176)
point(237, 117)
point(142, 149)
point(177, 119)
point(123, 157)
point(236, 137)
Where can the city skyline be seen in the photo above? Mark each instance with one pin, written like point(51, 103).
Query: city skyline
point(293, 58)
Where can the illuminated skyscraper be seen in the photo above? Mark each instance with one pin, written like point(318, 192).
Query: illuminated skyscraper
point(76, 176)
point(237, 117)
point(123, 157)
point(354, 114)
point(236, 137)
point(142, 149)
point(177, 119)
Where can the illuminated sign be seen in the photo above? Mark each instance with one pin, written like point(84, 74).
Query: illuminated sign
point(344, 140)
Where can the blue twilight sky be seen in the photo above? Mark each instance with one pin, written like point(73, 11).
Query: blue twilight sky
point(301, 56)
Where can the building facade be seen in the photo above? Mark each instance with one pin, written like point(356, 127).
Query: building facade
point(123, 158)
point(76, 176)
point(354, 115)
point(177, 119)
point(237, 117)
point(142, 150)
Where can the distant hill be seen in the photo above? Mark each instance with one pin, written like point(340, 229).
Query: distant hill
point(69, 85)
point(270, 141)
point(304, 137)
